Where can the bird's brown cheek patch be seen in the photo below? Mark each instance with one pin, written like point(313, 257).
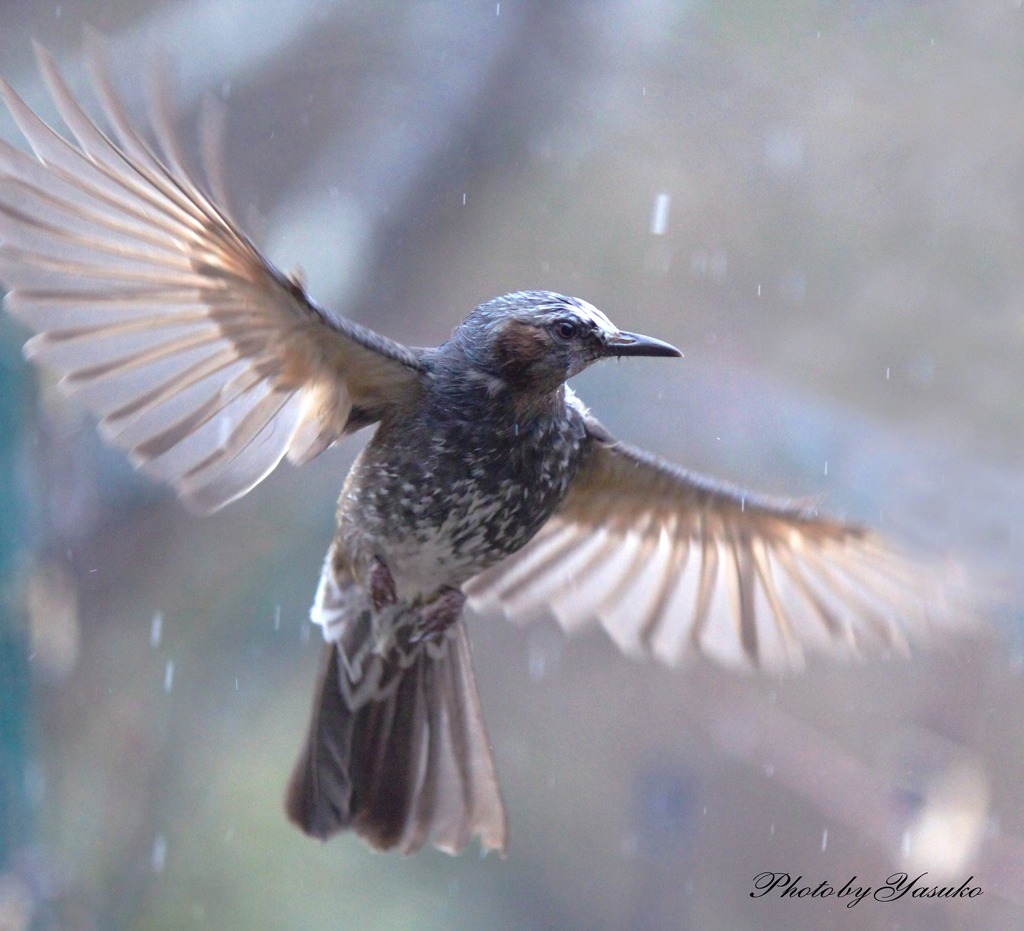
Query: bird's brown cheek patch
point(520, 346)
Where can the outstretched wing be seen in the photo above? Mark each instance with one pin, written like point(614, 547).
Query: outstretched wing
point(202, 360)
point(671, 563)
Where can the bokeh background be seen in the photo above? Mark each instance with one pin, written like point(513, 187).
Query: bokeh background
point(820, 201)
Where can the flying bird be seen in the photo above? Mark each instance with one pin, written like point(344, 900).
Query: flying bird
point(487, 482)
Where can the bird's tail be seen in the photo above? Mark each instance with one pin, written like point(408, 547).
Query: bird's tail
point(397, 752)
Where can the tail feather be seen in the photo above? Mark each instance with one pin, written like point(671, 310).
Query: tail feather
point(407, 767)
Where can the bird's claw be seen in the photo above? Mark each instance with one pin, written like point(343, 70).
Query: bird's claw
point(438, 614)
point(382, 585)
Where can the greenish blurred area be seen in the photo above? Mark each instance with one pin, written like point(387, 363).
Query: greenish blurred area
point(840, 261)
point(15, 675)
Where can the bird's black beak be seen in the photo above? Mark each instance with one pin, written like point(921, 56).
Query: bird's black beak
point(633, 344)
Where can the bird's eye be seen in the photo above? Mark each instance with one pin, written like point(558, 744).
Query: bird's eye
point(566, 329)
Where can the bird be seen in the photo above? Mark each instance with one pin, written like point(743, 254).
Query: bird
point(487, 487)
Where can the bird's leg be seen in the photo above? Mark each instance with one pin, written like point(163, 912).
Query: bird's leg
point(382, 586)
point(438, 614)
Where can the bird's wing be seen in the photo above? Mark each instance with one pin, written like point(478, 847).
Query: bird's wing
point(671, 564)
point(200, 358)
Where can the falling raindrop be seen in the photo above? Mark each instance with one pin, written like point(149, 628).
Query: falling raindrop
point(537, 664)
point(159, 855)
point(824, 840)
point(169, 675)
point(659, 216)
point(156, 629)
point(277, 617)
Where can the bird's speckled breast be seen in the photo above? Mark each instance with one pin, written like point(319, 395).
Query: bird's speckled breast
point(443, 494)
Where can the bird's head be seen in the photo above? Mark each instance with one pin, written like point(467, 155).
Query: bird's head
point(537, 340)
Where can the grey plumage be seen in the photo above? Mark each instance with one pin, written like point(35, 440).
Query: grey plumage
point(486, 480)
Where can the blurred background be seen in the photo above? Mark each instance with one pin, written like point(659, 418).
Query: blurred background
point(820, 201)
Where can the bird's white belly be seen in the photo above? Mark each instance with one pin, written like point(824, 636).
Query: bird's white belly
point(428, 556)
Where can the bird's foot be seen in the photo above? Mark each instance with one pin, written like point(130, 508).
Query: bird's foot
point(382, 585)
point(438, 614)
